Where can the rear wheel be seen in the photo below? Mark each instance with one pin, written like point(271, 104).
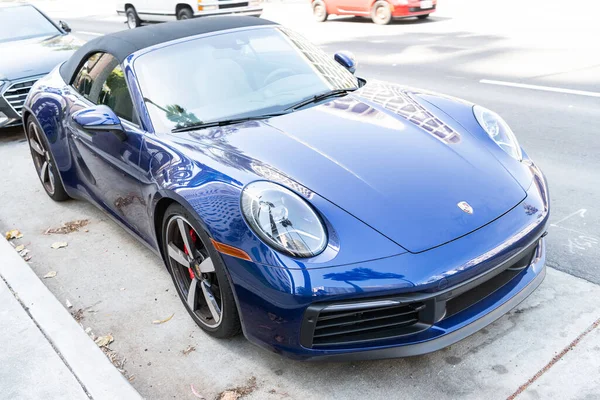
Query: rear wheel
point(423, 16)
point(133, 21)
point(381, 13)
point(319, 10)
point(44, 163)
point(199, 274)
point(185, 13)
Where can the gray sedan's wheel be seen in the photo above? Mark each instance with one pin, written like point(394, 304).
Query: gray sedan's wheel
point(133, 21)
point(199, 274)
point(44, 163)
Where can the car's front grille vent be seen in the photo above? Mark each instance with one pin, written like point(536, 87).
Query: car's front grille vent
point(16, 94)
point(342, 327)
point(233, 5)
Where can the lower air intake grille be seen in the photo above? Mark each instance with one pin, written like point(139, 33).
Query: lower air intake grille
point(16, 94)
point(336, 327)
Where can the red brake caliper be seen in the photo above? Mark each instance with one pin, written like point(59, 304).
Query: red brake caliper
point(185, 249)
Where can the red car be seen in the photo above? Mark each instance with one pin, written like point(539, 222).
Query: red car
point(380, 11)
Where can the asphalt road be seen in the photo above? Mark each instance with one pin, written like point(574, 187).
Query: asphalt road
point(121, 287)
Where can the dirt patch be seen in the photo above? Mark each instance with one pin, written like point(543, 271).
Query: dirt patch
point(68, 227)
point(239, 392)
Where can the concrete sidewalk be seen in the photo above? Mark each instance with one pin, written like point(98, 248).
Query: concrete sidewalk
point(44, 352)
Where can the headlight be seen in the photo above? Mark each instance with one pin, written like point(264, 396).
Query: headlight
point(283, 219)
point(499, 131)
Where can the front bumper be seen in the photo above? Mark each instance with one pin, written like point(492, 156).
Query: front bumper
point(411, 11)
point(275, 303)
point(463, 324)
point(254, 11)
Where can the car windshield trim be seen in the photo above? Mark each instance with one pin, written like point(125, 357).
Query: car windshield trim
point(203, 125)
point(320, 97)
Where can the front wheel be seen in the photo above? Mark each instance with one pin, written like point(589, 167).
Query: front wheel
point(44, 162)
point(423, 16)
point(381, 13)
point(319, 11)
point(199, 274)
point(133, 21)
point(185, 13)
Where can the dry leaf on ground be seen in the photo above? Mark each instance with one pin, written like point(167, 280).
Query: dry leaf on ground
point(20, 248)
point(59, 245)
point(188, 350)
point(103, 341)
point(78, 316)
point(198, 395)
point(13, 234)
point(27, 258)
point(23, 253)
point(50, 274)
point(162, 321)
point(68, 227)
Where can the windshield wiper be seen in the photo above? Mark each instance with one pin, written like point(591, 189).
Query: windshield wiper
point(319, 97)
point(202, 125)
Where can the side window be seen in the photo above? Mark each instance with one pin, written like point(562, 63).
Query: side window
point(86, 76)
point(101, 81)
point(114, 93)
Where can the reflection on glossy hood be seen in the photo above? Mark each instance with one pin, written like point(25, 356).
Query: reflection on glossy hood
point(385, 156)
point(36, 56)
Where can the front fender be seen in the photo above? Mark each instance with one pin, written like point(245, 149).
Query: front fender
point(462, 112)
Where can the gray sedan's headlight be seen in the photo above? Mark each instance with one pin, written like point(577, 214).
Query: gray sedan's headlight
point(499, 131)
point(283, 219)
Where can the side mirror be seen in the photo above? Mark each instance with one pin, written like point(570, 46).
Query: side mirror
point(347, 60)
point(64, 26)
point(100, 118)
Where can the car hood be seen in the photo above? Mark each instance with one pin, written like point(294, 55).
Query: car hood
point(391, 160)
point(35, 56)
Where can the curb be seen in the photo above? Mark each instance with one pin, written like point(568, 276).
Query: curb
point(98, 377)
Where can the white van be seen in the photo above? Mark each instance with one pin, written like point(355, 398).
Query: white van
point(140, 11)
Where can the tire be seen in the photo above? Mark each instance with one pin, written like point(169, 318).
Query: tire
point(133, 21)
point(214, 278)
point(381, 13)
point(185, 13)
point(44, 163)
point(423, 16)
point(319, 10)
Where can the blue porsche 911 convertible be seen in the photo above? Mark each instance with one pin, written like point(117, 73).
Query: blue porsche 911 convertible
point(323, 215)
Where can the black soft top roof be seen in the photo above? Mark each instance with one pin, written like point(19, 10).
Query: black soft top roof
point(122, 44)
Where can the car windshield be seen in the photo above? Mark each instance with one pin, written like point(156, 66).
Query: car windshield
point(234, 75)
point(24, 22)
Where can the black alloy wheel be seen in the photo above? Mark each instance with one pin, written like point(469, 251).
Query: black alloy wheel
point(199, 274)
point(44, 163)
